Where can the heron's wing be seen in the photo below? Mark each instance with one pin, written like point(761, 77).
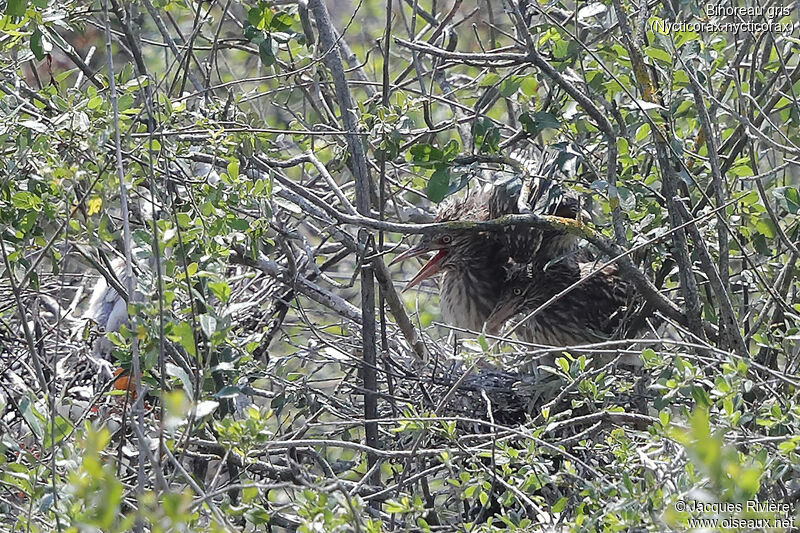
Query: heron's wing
point(544, 196)
point(117, 316)
point(502, 195)
point(608, 292)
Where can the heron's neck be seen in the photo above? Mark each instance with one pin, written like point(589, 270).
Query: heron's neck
point(470, 289)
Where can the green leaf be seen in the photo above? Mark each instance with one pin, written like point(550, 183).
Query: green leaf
point(792, 199)
point(680, 78)
point(184, 220)
point(26, 200)
point(252, 34)
point(27, 221)
point(683, 37)
point(483, 343)
point(259, 17)
point(749, 199)
point(438, 184)
point(701, 397)
point(39, 46)
point(642, 132)
point(238, 224)
point(124, 102)
point(658, 54)
point(281, 21)
point(208, 324)
point(560, 48)
point(249, 494)
point(489, 79)
point(486, 136)
point(178, 372)
point(537, 122)
point(529, 86)
point(220, 289)
point(425, 153)
point(233, 169)
point(649, 356)
point(182, 333)
point(63, 428)
point(254, 16)
point(766, 228)
point(31, 416)
point(622, 146)
point(560, 505)
point(16, 8)
point(451, 150)
point(509, 86)
point(257, 515)
point(265, 52)
point(393, 506)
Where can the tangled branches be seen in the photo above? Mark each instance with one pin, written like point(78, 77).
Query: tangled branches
point(236, 173)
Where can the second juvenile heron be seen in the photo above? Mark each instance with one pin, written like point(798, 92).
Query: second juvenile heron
point(589, 313)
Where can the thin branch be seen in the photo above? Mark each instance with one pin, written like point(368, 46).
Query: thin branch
point(729, 321)
point(324, 297)
point(136, 370)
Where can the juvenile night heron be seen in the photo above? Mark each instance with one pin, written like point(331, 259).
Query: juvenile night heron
point(473, 264)
point(591, 312)
point(109, 311)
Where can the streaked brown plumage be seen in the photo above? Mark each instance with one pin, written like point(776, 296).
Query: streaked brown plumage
point(473, 264)
point(591, 312)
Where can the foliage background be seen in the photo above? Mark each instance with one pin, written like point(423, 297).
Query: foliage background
point(242, 165)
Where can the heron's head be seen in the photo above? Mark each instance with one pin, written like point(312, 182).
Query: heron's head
point(457, 249)
point(519, 290)
point(450, 250)
point(529, 285)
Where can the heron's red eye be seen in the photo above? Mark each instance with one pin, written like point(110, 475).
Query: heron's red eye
point(447, 239)
point(517, 291)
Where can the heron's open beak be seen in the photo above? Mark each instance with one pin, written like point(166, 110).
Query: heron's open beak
point(414, 251)
point(431, 267)
point(500, 315)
